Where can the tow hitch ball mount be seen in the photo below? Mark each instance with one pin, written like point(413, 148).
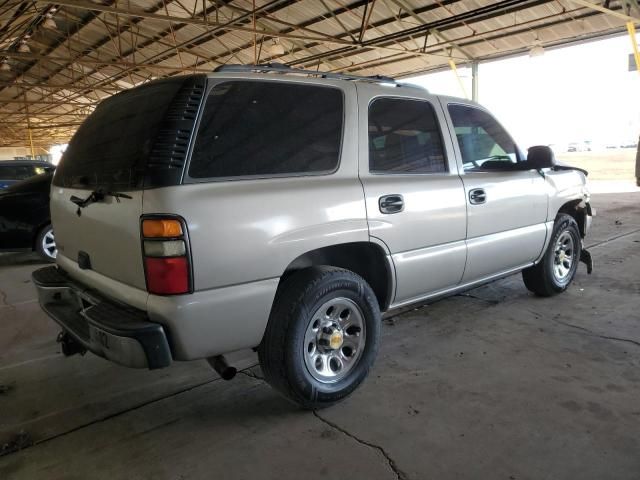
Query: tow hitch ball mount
point(69, 345)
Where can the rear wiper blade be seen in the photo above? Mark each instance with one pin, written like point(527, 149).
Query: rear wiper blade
point(116, 195)
point(97, 196)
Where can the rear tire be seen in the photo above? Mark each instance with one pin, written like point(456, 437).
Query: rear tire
point(558, 266)
point(46, 245)
point(322, 336)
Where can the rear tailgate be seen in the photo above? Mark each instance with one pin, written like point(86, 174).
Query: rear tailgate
point(135, 140)
point(107, 232)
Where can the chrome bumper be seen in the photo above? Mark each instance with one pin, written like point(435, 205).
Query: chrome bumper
point(115, 332)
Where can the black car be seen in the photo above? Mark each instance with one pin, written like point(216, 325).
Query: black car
point(14, 171)
point(25, 222)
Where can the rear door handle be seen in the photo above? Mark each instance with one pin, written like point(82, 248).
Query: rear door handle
point(477, 196)
point(391, 203)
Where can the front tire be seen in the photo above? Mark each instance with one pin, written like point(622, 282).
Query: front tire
point(558, 266)
point(322, 336)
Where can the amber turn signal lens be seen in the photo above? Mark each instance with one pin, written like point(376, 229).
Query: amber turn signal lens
point(152, 228)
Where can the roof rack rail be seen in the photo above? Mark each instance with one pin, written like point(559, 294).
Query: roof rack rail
point(286, 69)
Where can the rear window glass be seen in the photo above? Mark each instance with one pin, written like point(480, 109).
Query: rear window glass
point(266, 128)
point(37, 183)
point(111, 147)
point(16, 172)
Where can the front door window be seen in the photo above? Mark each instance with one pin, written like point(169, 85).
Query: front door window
point(483, 143)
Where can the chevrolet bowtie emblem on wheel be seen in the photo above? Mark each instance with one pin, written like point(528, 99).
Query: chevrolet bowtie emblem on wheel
point(335, 341)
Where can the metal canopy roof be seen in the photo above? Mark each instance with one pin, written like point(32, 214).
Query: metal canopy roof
point(57, 60)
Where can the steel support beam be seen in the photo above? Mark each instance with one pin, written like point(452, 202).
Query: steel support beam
point(48, 102)
point(474, 81)
point(634, 44)
point(84, 5)
point(84, 60)
point(614, 13)
point(36, 126)
point(54, 86)
point(418, 17)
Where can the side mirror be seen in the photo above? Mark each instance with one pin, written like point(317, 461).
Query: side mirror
point(540, 156)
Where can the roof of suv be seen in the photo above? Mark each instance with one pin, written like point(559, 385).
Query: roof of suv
point(277, 69)
point(283, 69)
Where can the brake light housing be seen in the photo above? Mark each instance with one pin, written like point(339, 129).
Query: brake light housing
point(166, 254)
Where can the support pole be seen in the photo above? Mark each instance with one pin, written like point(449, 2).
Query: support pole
point(634, 42)
point(454, 69)
point(33, 152)
point(255, 37)
point(474, 81)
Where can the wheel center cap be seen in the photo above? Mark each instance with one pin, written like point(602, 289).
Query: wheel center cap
point(562, 256)
point(336, 339)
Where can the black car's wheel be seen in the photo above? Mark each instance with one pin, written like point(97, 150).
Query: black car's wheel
point(322, 336)
point(46, 244)
point(557, 268)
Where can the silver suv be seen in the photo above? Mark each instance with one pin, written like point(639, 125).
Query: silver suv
point(283, 210)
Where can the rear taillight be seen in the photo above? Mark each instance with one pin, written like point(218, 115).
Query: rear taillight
point(166, 256)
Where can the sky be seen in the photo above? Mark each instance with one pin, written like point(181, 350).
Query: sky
point(573, 94)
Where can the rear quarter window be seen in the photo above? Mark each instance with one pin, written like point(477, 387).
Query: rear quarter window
point(253, 128)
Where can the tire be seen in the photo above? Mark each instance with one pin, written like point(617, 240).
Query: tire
point(558, 266)
point(45, 244)
point(327, 313)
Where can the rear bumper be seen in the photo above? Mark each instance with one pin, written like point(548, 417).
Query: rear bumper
point(115, 332)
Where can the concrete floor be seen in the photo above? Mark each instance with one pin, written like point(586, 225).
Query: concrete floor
point(492, 384)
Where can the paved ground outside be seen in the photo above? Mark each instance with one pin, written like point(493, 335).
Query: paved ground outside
point(491, 384)
point(608, 164)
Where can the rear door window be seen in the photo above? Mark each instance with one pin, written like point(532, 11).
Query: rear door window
point(253, 128)
point(404, 137)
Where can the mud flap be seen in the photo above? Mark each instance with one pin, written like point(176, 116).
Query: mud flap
point(585, 257)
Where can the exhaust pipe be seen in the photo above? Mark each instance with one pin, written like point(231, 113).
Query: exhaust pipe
point(220, 365)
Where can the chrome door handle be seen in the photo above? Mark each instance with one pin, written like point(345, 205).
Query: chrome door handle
point(477, 196)
point(391, 203)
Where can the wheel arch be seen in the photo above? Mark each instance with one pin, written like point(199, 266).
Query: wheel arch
point(578, 209)
point(367, 259)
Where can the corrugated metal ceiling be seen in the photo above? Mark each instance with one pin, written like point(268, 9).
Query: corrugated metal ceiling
point(59, 59)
